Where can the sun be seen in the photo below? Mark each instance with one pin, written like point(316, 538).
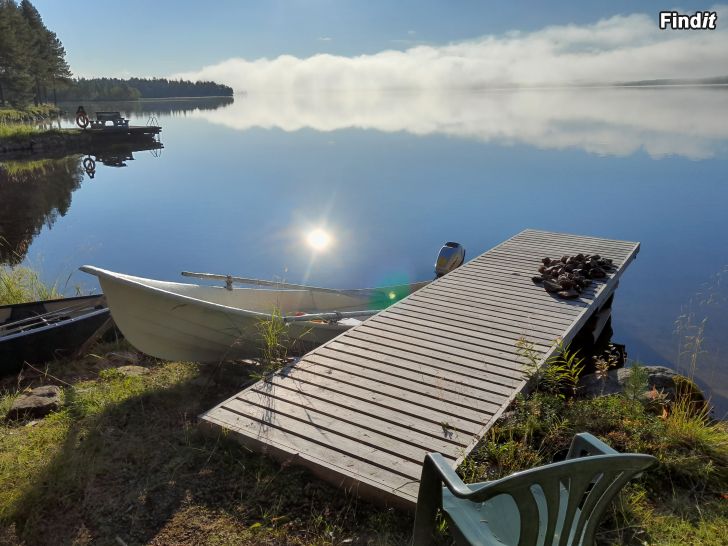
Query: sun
point(318, 239)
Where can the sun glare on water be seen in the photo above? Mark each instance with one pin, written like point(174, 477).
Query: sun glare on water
point(318, 239)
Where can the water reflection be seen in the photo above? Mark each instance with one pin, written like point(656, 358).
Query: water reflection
point(606, 121)
point(117, 155)
point(35, 192)
point(32, 195)
point(161, 107)
point(427, 168)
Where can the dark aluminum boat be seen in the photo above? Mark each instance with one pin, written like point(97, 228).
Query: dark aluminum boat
point(41, 331)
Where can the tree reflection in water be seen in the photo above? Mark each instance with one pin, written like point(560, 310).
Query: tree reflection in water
point(35, 192)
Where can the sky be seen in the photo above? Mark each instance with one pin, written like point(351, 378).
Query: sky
point(378, 40)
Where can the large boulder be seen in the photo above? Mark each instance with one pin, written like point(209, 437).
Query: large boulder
point(38, 402)
point(659, 378)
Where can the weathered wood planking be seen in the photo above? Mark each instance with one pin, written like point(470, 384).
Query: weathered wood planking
point(431, 373)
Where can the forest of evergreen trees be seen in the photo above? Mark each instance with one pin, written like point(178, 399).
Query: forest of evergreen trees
point(32, 58)
point(33, 68)
point(135, 88)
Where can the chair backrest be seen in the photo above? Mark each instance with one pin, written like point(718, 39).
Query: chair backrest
point(576, 493)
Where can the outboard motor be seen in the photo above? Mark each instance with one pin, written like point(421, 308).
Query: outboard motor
point(451, 256)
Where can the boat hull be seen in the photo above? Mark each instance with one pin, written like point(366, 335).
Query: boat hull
point(52, 341)
point(164, 321)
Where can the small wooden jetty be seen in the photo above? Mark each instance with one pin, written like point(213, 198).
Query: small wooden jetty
point(119, 126)
point(431, 373)
point(126, 130)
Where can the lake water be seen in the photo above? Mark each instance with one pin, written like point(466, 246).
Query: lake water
point(390, 177)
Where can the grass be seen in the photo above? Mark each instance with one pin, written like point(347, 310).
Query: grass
point(125, 458)
point(124, 461)
point(14, 121)
point(19, 284)
point(273, 334)
point(17, 131)
point(29, 113)
point(689, 428)
point(680, 501)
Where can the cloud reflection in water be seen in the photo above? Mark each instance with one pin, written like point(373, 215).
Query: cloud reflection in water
point(683, 121)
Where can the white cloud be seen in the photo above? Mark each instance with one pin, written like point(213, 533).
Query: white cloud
point(620, 48)
point(324, 38)
point(427, 89)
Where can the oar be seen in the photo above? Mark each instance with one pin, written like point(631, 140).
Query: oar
point(47, 315)
point(333, 315)
point(229, 280)
point(55, 319)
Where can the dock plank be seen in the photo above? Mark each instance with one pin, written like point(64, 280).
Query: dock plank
point(460, 323)
point(496, 382)
point(447, 382)
point(318, 394)
point(355, 417)
point(523, 315)
point(328, 430)
point(429, 398)
point(456, 331)
point(339, 466)
point(477, 362)
point(518, 305)
point(383, 396)
point(431, 373)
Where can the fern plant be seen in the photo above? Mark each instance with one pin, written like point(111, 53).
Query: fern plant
point(558, 373)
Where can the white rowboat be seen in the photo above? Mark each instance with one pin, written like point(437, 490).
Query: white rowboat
point(190, 322)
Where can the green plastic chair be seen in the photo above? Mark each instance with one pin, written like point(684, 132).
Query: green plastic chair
point(560, 503)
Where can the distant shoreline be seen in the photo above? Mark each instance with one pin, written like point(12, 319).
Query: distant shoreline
point(147, 99)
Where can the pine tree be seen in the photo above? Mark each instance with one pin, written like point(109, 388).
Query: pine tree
point(40, 55)
point(16, 84)
point(59, 71)
point(32, 58)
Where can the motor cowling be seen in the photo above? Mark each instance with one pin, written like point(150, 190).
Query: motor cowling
point(451, 256)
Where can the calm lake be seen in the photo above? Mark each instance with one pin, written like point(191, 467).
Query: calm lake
point(239, 186)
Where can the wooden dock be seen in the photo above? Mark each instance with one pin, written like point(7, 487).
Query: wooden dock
point(431, 373)
point(129, 131)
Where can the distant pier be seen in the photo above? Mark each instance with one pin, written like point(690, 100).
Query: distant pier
point(129, 131)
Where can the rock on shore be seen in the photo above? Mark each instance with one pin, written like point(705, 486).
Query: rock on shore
point(39, 402)
point(659, 378)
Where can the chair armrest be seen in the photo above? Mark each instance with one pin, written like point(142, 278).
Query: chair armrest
point(435, 471)
point(447, 475)
point(586, 444)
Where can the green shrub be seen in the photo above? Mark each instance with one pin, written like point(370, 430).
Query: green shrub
point(681, 494)
point(636, 382)
point(559, 373)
